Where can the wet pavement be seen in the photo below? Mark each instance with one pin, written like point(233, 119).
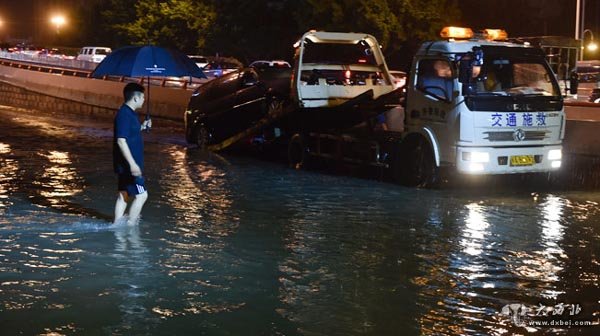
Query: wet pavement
point(231, 245)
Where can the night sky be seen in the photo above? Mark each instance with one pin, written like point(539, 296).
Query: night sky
point(549, 17)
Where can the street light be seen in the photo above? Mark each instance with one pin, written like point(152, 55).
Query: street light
point(592, 46)
point(58, 21)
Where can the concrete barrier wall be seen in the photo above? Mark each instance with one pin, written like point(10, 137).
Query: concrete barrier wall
point(11, 95)
point(94, 94)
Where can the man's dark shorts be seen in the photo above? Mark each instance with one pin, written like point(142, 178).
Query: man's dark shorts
point(133, 185)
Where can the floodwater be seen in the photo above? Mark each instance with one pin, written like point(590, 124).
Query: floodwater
point(232, 245)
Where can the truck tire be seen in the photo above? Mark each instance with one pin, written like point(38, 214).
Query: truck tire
point(297, 152)
point(415, 166)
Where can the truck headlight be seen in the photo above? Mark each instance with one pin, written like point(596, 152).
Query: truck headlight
point(476, 167)
point(481, 157)
point(554, 154)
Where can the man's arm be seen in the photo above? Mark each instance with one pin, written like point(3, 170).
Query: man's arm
point(135, 169)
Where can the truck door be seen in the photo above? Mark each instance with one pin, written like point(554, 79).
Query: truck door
point(430, 100)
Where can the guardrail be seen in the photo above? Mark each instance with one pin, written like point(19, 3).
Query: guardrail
point(73, 67)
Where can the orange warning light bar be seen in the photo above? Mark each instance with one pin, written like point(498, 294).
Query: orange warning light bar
point(456, 33)
point(495, 34)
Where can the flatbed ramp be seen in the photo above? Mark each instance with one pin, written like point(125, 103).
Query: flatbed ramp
point(276, 111)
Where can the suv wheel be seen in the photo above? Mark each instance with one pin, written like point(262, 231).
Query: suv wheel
point(202, 137)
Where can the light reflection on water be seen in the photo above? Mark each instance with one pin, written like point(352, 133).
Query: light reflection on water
point(232, 246)
point(8, 170)
point(59, 179)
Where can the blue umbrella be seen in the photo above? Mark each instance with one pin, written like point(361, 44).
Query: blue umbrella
point(146, 61)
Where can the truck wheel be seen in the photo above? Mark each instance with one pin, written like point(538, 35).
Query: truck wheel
point(201, 137)
point(297, 152)
point(415, 166)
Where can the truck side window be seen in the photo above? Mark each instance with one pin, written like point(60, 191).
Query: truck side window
point(435, 78)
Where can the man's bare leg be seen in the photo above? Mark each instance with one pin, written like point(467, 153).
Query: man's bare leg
point(120, 207)
point(136, 208)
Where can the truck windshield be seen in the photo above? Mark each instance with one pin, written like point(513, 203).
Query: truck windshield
point(513, 75)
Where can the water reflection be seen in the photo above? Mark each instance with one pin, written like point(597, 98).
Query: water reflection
point(475, 229)
point(332, 264)
point(246, 248)
point(33, 272)
point(59, 179)
point(133, 279)
point(8, 172)
point(552, 228)
point(543, 264)
point(456, 277)
point(196, 188)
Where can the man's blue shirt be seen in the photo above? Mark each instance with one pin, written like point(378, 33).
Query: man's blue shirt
point(127, 126)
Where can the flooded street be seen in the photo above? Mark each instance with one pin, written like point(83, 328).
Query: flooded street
point(232, 245)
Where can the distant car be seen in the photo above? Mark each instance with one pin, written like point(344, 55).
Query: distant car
point(232, 103)
point(595, 96)
point(399, 78)
point(93, 54)
point(52, 53)
point(588, 71)
point(218, 69)
point(270, 64)
point(201, 61)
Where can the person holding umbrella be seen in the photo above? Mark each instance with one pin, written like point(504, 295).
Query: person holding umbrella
point(128, 154)
point(137, 61)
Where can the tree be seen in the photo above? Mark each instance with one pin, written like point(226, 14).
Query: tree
point(266, 29)
point(251, 30)
point(180, 24)
point(114, 15)
point(397, 24)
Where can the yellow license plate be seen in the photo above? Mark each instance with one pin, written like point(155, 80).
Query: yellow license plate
point(522, 160)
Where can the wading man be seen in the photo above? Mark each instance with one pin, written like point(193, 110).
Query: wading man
point(128, 154)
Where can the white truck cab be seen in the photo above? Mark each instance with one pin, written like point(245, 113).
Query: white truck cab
point(480, 105)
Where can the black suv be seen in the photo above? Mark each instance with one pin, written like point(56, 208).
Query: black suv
point(228, 105)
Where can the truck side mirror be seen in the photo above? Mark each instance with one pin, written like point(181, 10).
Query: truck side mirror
point(573, 83)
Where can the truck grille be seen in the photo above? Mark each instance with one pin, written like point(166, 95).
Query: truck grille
point(510, 136)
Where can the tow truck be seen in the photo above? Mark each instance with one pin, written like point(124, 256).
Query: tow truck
point(474, 105)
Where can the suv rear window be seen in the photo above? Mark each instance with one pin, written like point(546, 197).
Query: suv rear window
point(336, 53)
point(199, 59)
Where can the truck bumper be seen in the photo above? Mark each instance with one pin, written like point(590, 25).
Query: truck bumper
point(508, 160)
